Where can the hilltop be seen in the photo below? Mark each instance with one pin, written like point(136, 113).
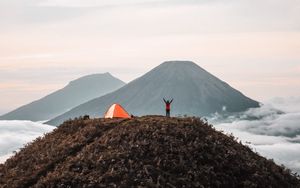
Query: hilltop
point(196, 92)
point(150, 151)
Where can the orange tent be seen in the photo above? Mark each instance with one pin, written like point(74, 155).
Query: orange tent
point(116, 111)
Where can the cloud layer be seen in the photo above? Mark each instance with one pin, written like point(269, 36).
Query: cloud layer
point(272, 130)
point(14, 134)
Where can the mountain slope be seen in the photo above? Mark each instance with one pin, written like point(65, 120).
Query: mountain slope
point(195, 92)
point(149, 151)
point(75, 93)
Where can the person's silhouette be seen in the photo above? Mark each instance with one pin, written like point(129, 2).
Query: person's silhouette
point(168, 106)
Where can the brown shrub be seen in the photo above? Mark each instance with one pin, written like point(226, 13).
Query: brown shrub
point(150, 151)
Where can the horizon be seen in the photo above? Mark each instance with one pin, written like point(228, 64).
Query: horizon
point(251, 45)
point(261, 100)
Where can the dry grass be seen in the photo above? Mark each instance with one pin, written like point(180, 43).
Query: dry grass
point(150, 151)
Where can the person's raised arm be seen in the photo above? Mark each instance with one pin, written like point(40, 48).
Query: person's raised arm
point(165, 100)
point(171, 101)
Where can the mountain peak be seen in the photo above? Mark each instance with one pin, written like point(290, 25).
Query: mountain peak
point(174, 62)
point(92, 77)
point(196, 92)
point(179, 63)
point(180, 67)
point(76, 92)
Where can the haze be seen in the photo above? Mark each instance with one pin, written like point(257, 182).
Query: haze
point(251, 44)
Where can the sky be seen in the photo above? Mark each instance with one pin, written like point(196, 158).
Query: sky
point(253, 45)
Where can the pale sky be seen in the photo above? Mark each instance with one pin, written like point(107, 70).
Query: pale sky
point(254, 45)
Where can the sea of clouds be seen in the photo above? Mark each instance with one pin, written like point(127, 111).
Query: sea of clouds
point(15, 134)
point(273, 130)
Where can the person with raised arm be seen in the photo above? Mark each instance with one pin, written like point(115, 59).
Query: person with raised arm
point(168, 106)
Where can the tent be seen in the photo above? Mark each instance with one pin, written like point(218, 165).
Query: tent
point(116, 111)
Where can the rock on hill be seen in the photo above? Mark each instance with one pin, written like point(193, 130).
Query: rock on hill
point(195, 91)
point(149, 151)
point(75, 93)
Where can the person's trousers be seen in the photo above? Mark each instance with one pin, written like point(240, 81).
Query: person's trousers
point(168, 113)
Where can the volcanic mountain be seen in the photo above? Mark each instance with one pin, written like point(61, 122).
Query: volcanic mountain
point(75, 93)
point(195, 91)
point(150, 151)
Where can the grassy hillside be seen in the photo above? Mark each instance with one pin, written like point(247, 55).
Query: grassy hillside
point(151, 151)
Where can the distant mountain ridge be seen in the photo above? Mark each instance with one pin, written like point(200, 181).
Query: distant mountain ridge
point(195, 91)
point(75, 93)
